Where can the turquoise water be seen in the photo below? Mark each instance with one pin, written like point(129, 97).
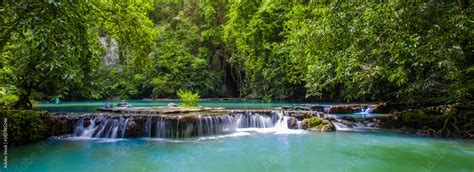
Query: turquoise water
point(259, 150)
point(90, 106)
point(333, 151)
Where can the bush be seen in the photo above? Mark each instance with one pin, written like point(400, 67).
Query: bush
point(6, 100)
point(25, 126)
point(188, 98)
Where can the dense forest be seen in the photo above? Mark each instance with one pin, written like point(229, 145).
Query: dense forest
point(403, 51)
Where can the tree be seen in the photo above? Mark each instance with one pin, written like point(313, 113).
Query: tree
point(48, 47)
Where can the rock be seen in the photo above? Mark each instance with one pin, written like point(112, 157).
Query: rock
point(302, 108)
point(135, 127)
point(381, 108)
point(317, 108)
point(292, 123)
point(341, 109)
point(347, 118)
point(318, 124)
point(302, 115)
point(172, 105)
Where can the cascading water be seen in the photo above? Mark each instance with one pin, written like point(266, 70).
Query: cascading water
point(299, 124)
point(100, 127)
point(342, 124)
point(169, 126)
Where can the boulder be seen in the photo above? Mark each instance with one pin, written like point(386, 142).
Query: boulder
point(292, 123)
point(302, 115)
point(318, 124)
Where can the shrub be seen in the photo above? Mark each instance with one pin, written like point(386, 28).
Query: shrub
point(188, 98)
point(25, 126)
point(6, 99)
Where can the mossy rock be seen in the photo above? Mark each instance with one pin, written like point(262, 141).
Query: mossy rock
point(302, 115)
point(318, 124)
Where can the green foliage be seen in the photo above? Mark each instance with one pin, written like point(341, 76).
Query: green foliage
point(376, 51)
point(188, 98)
point(50, 47)
point(401, 51)
point(255, 31)
point(25, 126)
point(6, 99)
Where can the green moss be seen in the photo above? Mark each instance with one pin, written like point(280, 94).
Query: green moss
point(317, 124)
point(24, 126)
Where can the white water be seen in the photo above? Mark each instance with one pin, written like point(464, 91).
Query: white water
point(344, 125)
point(207, 126)
point(108, 128)
point(280, 127)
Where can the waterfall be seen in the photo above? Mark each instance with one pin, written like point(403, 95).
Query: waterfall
point(282, 123)
point(107, 128)
point(254, 120)
point(299, 124)
point(349, 125)
point(148, 126)
point(184, 126)
point(123, 126)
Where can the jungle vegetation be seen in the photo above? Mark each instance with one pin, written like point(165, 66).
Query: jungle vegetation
point(403, 51)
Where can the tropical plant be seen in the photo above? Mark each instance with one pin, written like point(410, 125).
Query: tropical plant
point(188, 98)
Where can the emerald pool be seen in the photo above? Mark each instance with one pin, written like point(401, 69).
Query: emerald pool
point(250, 151)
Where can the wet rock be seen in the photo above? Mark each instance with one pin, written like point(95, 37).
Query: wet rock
point(302, 115)
point(302, 108)
point(293, 123)
point(317, 108)
point(340, 110)
point(59, 124)
point(347, 118)
point(135, 127)
point(172, 105)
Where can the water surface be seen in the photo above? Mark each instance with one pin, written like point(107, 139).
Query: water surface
point(247, 151)
point(91, 106)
